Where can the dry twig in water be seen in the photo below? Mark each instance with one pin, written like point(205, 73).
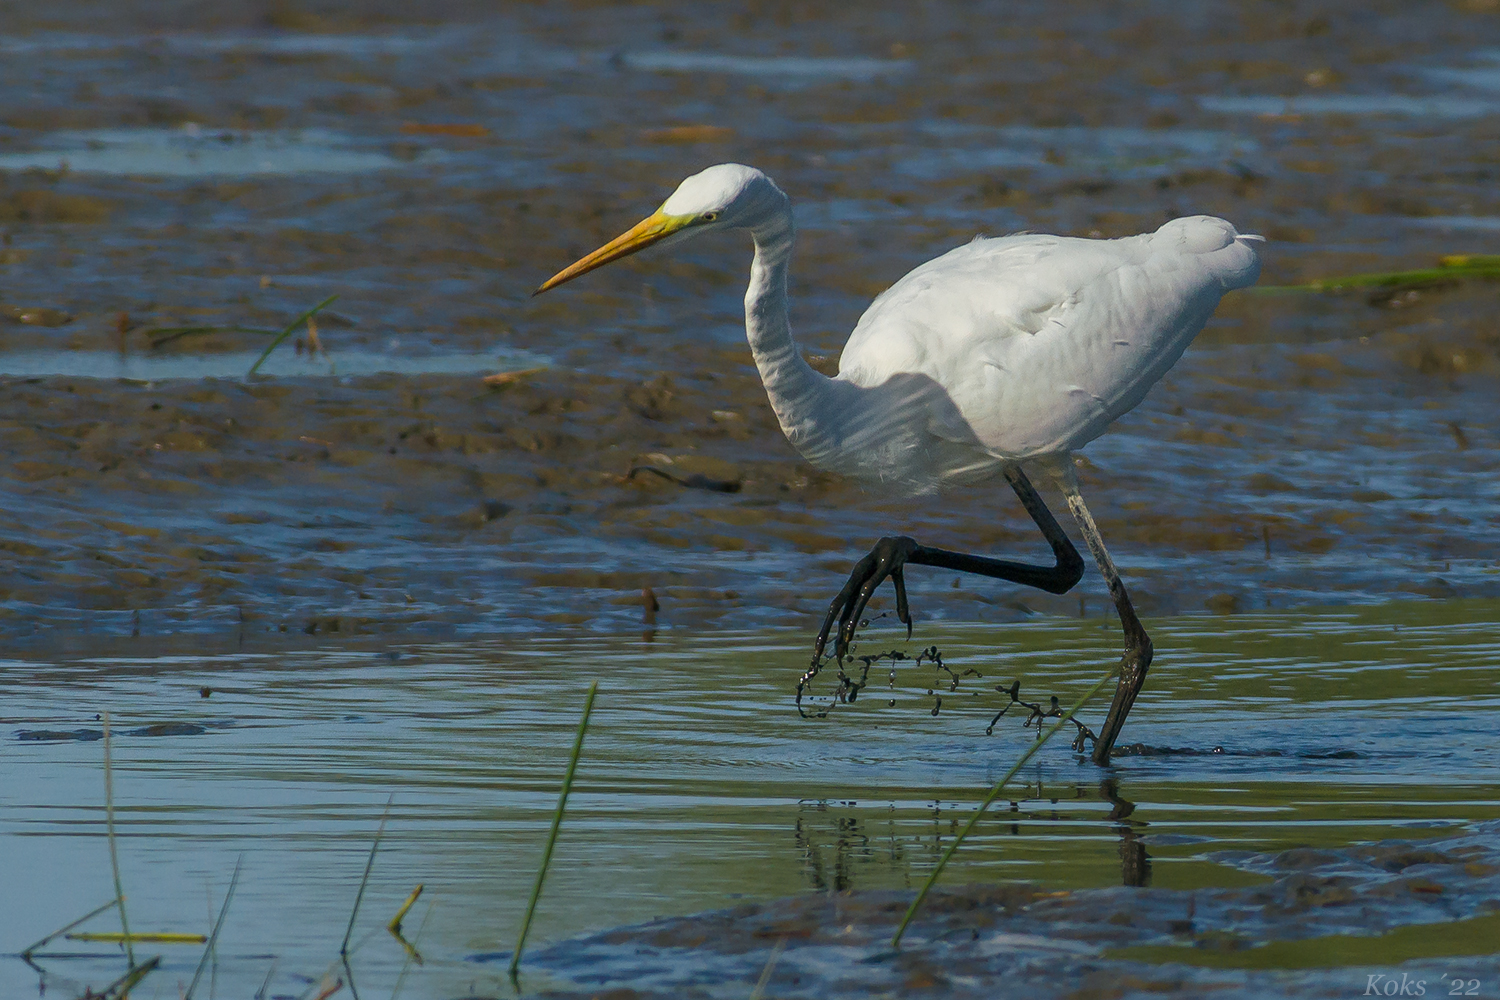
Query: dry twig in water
point(26, 952)
point(114, 855)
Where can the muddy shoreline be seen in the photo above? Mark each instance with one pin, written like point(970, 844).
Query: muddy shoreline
point(1308, 450)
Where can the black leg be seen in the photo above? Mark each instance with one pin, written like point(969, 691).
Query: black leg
point(887, 559)
point(1137, 658)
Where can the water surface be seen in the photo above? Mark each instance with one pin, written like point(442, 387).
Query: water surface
point(286, 362)
point(700, 785)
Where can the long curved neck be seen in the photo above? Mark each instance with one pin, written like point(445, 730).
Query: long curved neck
point(794, 387)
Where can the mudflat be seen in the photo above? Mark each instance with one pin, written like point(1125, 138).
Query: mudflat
point(166, 167)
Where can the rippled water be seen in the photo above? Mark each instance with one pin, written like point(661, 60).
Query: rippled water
point(699, 785)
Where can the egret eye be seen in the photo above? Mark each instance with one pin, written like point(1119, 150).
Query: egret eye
point(709, 216)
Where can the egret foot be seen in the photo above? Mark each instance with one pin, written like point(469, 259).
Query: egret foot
point(885, 561)
point(890, 556)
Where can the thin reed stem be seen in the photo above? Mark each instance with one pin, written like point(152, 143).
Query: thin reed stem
point(265, 984)
point(149, 937)
point(1036, 745)
point(369, 864)
point(26, 953)
point(557, 817)
point(770, 967)
point(114, 855)
point(166, 334)
point(213, 935)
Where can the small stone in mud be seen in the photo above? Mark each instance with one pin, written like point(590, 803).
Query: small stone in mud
point(655, 398)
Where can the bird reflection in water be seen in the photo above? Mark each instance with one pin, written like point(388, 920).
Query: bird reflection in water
point(836, 850)
point(1135, 863)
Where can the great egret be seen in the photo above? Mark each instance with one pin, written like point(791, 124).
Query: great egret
point(1002, 351)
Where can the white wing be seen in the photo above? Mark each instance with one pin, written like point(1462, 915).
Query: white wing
point(1042, 341)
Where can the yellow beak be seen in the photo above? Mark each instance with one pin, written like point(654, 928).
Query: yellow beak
point(652, 229)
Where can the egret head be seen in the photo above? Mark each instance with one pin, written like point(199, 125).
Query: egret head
point(726, 196)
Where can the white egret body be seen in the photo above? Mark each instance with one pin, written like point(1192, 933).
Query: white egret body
point(1000, 351)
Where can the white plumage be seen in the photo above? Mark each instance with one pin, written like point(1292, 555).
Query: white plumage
point(999, 352)
point(1038, 342)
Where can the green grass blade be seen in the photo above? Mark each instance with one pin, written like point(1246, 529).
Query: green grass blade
point(1470, 260)
point(275, 343)
point(1449, 268)
point(1036, 745)
point(562, 803)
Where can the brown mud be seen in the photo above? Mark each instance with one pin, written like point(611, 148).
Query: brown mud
point(163, 165)
point(1317, 923)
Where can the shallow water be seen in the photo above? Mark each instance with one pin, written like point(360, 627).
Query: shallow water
point(700, 786)
point(192, 153)
point(237, 364)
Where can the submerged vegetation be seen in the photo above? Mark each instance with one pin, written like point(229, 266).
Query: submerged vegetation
point(1450, 270)
point(160, 336)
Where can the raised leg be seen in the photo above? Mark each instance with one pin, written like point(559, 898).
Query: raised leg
point(1137, 658)
point(887, 559)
